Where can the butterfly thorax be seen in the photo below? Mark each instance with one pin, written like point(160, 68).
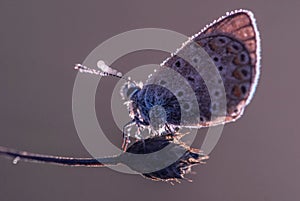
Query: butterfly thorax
point(155, 105)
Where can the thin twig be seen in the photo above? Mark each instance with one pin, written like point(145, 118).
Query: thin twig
point(58, 160)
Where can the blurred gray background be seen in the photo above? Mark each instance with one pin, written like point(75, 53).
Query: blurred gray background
point(257, 157)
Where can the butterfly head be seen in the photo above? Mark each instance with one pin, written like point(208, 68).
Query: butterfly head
point(129, 89)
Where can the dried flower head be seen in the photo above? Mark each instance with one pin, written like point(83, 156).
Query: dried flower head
point(185, 157)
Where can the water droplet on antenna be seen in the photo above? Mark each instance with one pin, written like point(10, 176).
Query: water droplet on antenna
point(16, 160)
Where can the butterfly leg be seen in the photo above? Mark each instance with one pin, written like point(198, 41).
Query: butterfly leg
point(126, 135)
point(140, 127)
point(169, 130)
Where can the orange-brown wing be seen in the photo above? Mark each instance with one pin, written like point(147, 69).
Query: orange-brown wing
point(242, 26)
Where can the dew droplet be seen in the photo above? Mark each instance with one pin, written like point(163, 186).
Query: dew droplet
point(16, 160)
point(101, 65)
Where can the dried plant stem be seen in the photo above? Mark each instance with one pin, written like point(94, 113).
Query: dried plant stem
point(58, 160)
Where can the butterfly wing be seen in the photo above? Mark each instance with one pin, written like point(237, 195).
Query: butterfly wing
point(242, 26)
point(233, 43)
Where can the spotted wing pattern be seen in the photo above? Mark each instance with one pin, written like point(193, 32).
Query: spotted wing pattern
point(233, 44)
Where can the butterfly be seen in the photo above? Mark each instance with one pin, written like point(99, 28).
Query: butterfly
point(232, 44)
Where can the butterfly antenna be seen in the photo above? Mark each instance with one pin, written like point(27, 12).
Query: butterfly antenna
point(105, 71)
point(57, 160)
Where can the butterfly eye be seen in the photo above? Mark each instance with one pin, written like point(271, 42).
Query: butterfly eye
point(128, 90)
point(131, 91)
